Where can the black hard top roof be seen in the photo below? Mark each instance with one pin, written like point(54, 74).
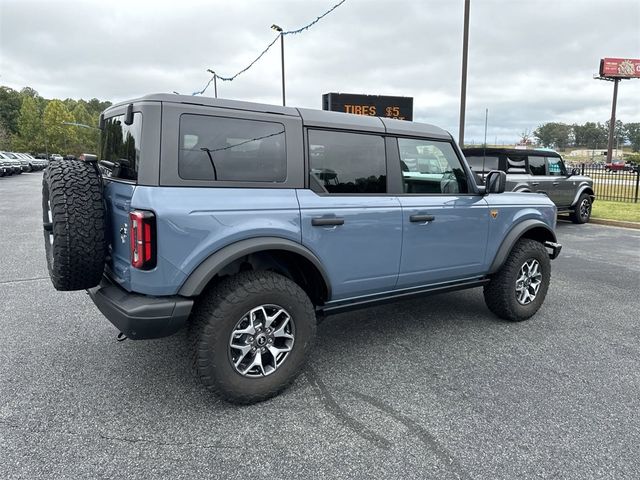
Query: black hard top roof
point(310, 117)
point(509, 151)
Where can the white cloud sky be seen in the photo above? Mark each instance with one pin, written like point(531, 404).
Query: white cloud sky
point(530, 62)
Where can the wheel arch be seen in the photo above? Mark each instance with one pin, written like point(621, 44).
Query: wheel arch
point(266, 253)
point(588, 189)
point(532, 229)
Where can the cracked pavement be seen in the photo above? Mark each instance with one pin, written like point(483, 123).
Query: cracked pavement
point(428, 388)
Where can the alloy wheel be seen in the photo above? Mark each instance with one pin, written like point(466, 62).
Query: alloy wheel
point(261, 341)
point(528, 282)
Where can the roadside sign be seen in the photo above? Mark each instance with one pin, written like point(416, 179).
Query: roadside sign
point(620, 68)
point(374, 105)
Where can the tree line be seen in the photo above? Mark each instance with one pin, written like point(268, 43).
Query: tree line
point(31, 123)
point(590, 135)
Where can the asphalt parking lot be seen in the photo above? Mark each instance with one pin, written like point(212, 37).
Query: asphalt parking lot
point(431, 388)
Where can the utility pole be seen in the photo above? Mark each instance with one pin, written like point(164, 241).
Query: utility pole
point(463, 89)
point(279, 29)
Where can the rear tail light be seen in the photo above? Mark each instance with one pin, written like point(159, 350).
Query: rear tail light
point(142, 232)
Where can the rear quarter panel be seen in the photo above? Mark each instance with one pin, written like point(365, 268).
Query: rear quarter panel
point(193, 223)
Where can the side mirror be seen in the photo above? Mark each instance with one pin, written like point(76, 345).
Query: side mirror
point(575, 171)
point(496, 181)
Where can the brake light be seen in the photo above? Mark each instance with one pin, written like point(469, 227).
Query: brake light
point(142, 233)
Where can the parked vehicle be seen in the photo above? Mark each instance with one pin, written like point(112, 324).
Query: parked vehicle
point(15, 163)
point(6, 168)
point(249, 222)
point(614, 167)
point(55, 156)
point(541, 171)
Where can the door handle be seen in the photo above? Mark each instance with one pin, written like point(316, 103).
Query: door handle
point(535, 184)
point(422, 218)
point(556, 183)
point(326, 221)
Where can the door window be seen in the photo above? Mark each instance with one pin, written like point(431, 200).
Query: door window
point(431, 166)
point(555, 166)
point(536, 165)
point(344, 162)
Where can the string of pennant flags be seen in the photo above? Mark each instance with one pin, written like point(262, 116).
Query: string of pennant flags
point(215, 76)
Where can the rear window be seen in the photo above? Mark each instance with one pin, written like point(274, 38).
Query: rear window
point(231, 149)
point(120, 145)
point(480, 163)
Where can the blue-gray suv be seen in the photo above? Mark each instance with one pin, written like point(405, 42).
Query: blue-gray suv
point(247, 223)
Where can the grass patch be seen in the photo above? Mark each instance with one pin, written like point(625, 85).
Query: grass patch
point(629, 212)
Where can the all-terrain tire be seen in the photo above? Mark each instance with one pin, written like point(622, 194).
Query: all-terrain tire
point(500, 293)
point(73, 215)
point(215, 318)
point(582, 212)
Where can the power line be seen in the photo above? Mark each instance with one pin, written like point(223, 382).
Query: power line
point(289, 32)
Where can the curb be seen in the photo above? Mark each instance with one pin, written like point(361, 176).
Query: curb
point(615, 223)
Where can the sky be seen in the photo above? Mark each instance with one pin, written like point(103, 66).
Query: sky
point(530, 61)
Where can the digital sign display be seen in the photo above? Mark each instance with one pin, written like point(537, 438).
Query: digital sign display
point(374, 105)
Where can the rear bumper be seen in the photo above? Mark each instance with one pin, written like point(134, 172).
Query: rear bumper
point(140, 316)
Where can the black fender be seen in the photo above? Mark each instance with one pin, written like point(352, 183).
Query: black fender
point(515, 234)
point(200, 277)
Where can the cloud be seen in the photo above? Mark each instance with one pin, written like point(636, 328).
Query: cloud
point(529, 62)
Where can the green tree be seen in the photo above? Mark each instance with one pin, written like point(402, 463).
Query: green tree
point(590, 135)
point(59, 136)
point(554, 134)
point(87, 136)
point(30, 135)
point(10, 103)
point(632, 131)
point(5, 137)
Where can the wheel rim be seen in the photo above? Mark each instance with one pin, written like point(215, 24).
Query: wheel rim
point(585, 208)
point(261, 341)
point(528, 282)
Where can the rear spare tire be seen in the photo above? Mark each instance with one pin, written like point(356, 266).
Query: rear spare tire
point(73, 216)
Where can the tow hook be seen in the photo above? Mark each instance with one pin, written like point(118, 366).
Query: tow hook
point(121, 337)
point(555, 249)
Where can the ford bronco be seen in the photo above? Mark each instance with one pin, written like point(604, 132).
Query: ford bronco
point(248, 222)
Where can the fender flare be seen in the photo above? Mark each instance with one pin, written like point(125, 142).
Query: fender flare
point(200, 277)
point(513, 236)
point(582, 190)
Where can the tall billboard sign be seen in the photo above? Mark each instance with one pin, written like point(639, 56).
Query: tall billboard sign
point(374, 105)
point(620, 68)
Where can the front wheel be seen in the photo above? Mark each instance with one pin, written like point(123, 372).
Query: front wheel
point(251, 335)
point(582, 211)
point(519, 288)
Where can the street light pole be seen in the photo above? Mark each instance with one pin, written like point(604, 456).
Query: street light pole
point(279, 29)
point(463, 88)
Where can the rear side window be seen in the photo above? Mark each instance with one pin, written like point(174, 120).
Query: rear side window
point(481, 163)
point(345, 162)
point(231, 149)
point(431, 166)
point(536, 165)
point(120, 145)
point(516, 163)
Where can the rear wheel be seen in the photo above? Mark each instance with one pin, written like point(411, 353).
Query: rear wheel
point(519, 288)
point(582, 211)
point(251, 335)
point(73, 218)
